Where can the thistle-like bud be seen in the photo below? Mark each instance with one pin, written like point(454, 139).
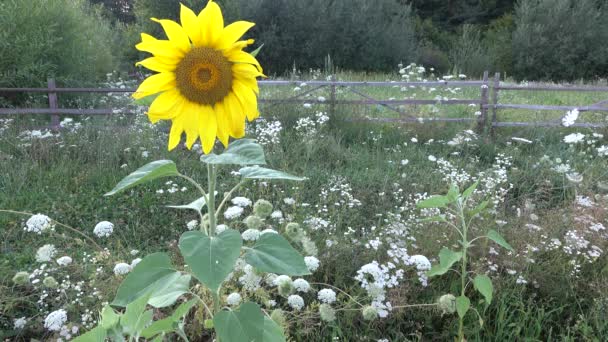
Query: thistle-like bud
point(369, 313)
point(309, 246)
point(447, 303)
point(21, 278)
point(327, 313)
point(292, 230)
point(262, 208)
point(254, 222)
point(286, 288)
point(50, 282)
point(208, 324)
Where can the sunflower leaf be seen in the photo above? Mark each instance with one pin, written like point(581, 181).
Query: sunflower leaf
point(146, 173)
point(239, 152)
point(256, 172)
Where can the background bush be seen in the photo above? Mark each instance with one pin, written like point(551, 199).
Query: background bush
point(65, 39)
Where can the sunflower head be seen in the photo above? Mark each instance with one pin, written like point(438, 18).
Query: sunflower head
point(206, 84)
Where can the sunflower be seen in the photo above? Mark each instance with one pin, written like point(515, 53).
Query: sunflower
point(206, 83)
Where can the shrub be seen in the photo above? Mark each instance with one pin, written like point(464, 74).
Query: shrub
point(64, 39)
point(468, 54)
point(560, 39)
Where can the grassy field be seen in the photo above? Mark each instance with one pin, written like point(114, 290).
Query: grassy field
point(358, 205)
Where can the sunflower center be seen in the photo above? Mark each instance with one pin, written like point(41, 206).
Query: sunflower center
point(204, 76)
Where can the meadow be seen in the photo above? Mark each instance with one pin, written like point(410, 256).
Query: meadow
point(369, 244)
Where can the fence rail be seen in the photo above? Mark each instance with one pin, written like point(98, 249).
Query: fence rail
point(488, 100)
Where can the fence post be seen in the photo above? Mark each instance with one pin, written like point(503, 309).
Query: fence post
point(481, 122)
point(53, 102)
point(495, 88)
point(332, 98)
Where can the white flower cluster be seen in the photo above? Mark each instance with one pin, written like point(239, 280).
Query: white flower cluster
point(570, 118)
point(103, 229)
point(45, 253)
point(268, 132)
point(312, 263)
point(39, 223)
point(242, 202)
point(233, 212)
point(309, 127)
point(233, 299)
point(55, 320)
point(301, 285)
point(295, 302)
point(327, 296)
point(375, 279)
point(122, 268)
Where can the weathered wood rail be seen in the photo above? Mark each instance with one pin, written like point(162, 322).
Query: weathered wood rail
point(488, 100)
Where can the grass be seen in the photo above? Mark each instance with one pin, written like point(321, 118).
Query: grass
point(66, 177)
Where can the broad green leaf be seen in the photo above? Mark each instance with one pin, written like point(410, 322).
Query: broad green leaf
point(239, 152)
point(453, 192)
point(158, 338)
point(150, 277)
point(97, 334)
point(257, 172)
point(135, 317)
point(479, 208)
point(433, 202)
point(195, 205)
point(447, 258)
point(462, 305)
point(272, 331)
point(170, 323)
point(183, 309)
point(146, 173)
point(469, 191)
point(177, 286)
point(255, 52)
point(272, 253)
point(211, 258)
point(109, 317)
point(496, 237)
point(483, 284)
point(244, 324)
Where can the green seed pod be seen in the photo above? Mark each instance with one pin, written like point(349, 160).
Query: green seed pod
point(253, 222)
point(369, 313)
point(208, 324)
point(292, 230)
point(309, 246)
point(21, 278)
point(50, 282)
point(262, 208)
point(327, 313)
point(278, 317)
point(286, 288)
point(447, 303)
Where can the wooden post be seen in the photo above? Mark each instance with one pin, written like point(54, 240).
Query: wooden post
point(332, 98)
point(483, 106)
point(53, 102)
point(495, 88)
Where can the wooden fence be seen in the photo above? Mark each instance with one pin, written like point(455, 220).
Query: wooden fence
point(485, 102)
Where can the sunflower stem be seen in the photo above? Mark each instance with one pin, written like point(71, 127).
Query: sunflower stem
point(211, 179)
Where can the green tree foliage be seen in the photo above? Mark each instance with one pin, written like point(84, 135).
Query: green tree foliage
point(560, 39)
point(357, 34)
point(64, 39)
point(121, 10)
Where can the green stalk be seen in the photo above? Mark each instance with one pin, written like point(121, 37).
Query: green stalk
point(463, 271)
point(211, 178)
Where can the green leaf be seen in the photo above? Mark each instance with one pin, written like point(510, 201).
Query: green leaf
point(239, 152)
point(496, 237)
point(479, 208)
point(246, 324)
point(195, 205)
point(177, 286)
point(150, 277)
point(453, 192)
point(483, 284)
point(135, 318)
point(469, 191)
point(447, 258)
point(462, 305)
point(97, 334)
point(433, 202)
point(255, 52)
point(272, 253)
point(109, 317)
point(170, 323)
point(272, 331)
point(146, 173)
point(211, 259)
point(183, 309)
point(257, 172)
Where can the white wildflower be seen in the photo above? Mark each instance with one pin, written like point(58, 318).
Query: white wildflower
point(570, 118)
point(289, 201)
point(45, 253)
point(192, 225)
point(233, 299)
point(241, 202)
point(39, 223)
point(122, 268)
point(64, 261)
point(103, 229)
point(301, 285)
point(250, 235)
point(296, 302)
point(327, 296)
point(233, 212)
point(574, 138)
point(19, 323)
point(134, 262)
point(312, 263)
point(55, 320)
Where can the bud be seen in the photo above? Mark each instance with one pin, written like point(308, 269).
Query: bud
point(292, 230)
point(254, 222)
point(50, 282)
point(369, 313)
point(21, 278)
point(208, 324)
point(286, 288)
point(447, 303)
point(278, 317)
point(262, 208)
point(327, 313)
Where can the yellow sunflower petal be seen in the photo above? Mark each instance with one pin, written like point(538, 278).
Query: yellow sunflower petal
point(191, 25)
point(175, 33)
point(175, 135)
point(157, 64)
point(191, 115)
point(246, 71)
point(162, 108)
point(223, 124)
point(234, 110)
point(243, 57)
point(207, 128)
point(249, 82)
point(246, 96)
point(212, 22)
point(163, 48)
point(155, 84)
point(232, 33)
